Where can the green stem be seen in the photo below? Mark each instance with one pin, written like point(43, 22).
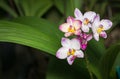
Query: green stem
point(87, 65)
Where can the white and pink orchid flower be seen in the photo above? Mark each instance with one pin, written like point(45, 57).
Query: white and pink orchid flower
point(87, 19)
point(99, 27)
point(84, 38)
point(71, 27)
point(70, 49)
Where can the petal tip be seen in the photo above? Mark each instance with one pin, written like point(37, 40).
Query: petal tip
point(63, 39)
point(57, 54)
point(60, 27)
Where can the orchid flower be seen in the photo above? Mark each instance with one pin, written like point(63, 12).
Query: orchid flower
point(86, 19)
point(71, 27)
point(99, 27)
point(70, 49)
point(84, 38)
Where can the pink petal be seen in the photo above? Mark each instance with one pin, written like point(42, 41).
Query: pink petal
point(64, 27)
point(103, 34)
point(90, 15)
point(70, 20)
point(78, 14)
point(75, 44)
point(83, 46)
point(71, 59)
point(77, 24)
point(66, 42)
point(84, 35)
point(62, 53)
point(89, 37)
point(79, 54)
point(106, 24)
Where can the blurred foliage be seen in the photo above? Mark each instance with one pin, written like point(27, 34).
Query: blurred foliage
point(35, 23)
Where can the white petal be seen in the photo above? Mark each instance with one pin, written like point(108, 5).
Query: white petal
point(71, 59)
point(96, 36)
point(85, 28)
point(79, 54)
point(75, 44)
point(97, 18)
point(90, 15)
point(62, 53)
point(106, 24)
point(77, 32)
point(67, 34)
point(66, 42)
point(64, 27)
point(78, 14)
point(95, 24)
point(94, 27)
point(103, 34)
point(77, 24)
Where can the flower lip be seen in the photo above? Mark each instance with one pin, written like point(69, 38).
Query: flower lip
point(71, 52)
point(71, 29)
point(100, 29)
point(86, 21)
point(71, 59)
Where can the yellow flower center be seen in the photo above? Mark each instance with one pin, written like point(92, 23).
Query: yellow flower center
point(100, 29)
point(71, 52)
point(86, 21)
point(71, 29)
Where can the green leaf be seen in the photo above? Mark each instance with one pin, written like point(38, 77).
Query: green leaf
point(94, 52)
point(18, 7)
point(60, 5)
point(91, 4)
point(41, 25)
point(78, 4)
point(43, 8)
point(25, 7)
point(67, 7)
point(41, 35)
point(35, 7)
point(107, 61)
point(7, 8)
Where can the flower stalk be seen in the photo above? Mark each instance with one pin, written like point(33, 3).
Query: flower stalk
point(87, 65)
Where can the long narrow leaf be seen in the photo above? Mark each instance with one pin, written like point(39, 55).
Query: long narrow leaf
point(108, 60)
point(31, 36)
point(8, 9)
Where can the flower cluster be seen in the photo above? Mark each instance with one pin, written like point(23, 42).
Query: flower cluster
point(85, 27)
